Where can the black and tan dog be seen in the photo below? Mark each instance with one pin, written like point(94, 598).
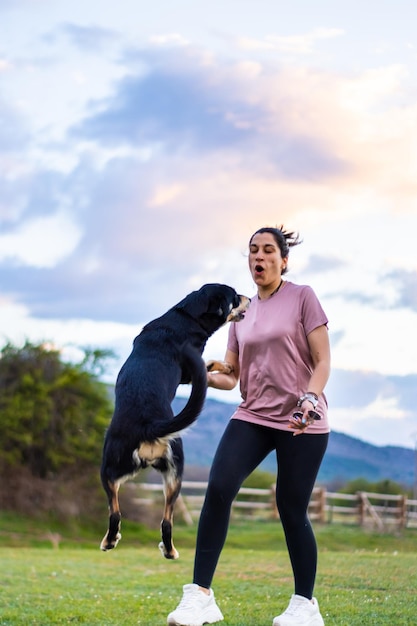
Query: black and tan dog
point(143, 430)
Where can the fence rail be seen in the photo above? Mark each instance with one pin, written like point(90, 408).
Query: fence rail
point(379, 511)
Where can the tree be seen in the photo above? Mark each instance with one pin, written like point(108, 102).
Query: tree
point(385, 486)
point(52, 414)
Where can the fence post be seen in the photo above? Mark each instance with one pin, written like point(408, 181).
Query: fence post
point(361, 508)
point(322, 504)
point(402, 521)
point(182, 508)
point(275, 513)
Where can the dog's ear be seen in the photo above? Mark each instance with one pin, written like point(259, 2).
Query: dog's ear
point(222, 299)
point(195, 304)
point(212, 301)
point(221, 306)
point(228, 300)
point(224, 309)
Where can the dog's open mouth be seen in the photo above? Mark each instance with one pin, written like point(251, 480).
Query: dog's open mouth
point(238, 313)
point(236, 316)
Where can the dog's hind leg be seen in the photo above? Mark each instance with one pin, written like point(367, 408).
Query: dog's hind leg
point(171, 468)
point(113, 536)
point(171, 490)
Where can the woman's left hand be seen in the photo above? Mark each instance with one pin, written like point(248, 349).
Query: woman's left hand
point(301, 419)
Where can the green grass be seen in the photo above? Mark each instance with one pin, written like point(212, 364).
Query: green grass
point(364, 578)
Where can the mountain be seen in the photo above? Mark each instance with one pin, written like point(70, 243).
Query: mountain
point(346, 458)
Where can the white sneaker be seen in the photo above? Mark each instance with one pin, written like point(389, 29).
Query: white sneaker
point(195, 609)
point(300, 612)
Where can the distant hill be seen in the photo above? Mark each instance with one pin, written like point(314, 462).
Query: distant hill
point(346, 458)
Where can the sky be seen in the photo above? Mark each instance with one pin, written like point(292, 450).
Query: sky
point(141, 144)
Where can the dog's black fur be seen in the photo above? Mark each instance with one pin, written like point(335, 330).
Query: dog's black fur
point(143, 430)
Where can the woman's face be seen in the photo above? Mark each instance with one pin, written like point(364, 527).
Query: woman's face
point(265, 260)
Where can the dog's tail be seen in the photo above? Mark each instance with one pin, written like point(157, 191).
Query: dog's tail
point(193, 363)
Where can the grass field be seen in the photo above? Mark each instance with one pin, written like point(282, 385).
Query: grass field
point(364, 579)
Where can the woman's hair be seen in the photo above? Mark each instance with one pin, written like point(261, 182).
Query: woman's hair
point(285, 240)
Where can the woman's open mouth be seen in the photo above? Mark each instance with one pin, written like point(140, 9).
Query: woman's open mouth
point(259, 269)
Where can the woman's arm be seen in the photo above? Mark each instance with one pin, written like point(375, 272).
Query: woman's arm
point(219, 380)
point(318, 341)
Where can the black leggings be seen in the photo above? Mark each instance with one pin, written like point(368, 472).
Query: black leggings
point(242, 448)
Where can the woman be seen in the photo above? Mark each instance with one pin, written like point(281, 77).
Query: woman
point(280, 353)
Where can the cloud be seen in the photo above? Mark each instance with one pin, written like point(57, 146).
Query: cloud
point(369, 405)
point(406, 288)
point(85, 38)
point(163, 158)
point(295, 44)
point(320, 263)
point(184, 109)
point(14, 132)
point(403, 294)
point(371, 393)
point(40, 242)
point(17, 325)
point(162, 108)
point(179, 143)
point(164, 143)
point(170, 39)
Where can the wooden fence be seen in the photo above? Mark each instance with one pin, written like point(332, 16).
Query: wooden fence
point(382, 512)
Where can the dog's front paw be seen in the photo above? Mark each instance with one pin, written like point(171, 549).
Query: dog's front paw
point(106, 544)
point(174, 554)
point(219, 366)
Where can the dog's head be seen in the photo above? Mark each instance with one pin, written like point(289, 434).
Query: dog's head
point(214, 304)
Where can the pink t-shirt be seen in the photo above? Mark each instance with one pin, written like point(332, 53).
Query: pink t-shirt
point(274, 356)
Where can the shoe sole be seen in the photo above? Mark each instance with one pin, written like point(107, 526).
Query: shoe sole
point(316, 621)
point(210, 619)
